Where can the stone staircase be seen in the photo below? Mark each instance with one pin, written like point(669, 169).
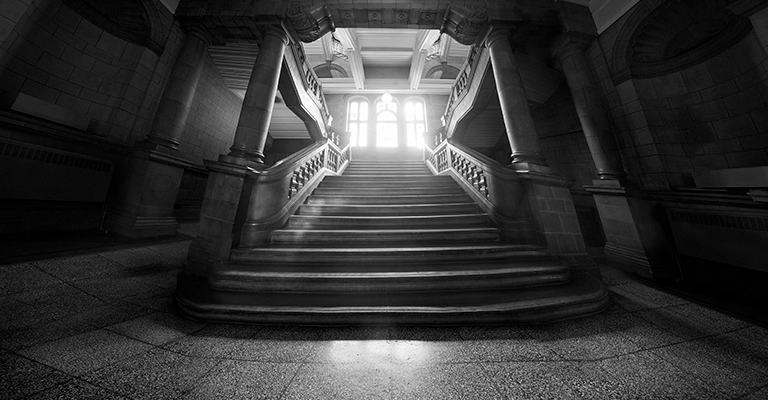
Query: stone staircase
point(389, 243)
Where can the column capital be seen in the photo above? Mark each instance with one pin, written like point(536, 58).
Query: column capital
point(568, 43)
point(275, 30)
point(199, 31)
point(498, 34)
point(310, 22)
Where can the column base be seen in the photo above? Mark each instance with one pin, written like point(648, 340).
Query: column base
point(144, 193)
point(555, 220)
point(637, 240)
point(218, 215)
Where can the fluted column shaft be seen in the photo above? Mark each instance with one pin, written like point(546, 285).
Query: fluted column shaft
point(518, 120)
point(176, 102)
point(594, 121)
point(255, 117)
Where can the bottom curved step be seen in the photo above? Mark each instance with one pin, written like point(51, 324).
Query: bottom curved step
point(583, 295)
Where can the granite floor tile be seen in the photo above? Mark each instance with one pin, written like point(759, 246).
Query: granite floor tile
point(21, 377)
point(155, 374)
point(647, 376)
point(676, 323)
point(85, 352)
point(25, 277)
point(552, 380)
point(111, 313)
point(357, 381)
point(645, 334)
point(157, 328)
point(244, 380)
point(585, 339)
point(79, 267)
point(443, 381)
point(157, 299)
point(112, 288)
point(135, 257)
point(759, 394)
point(352, 352)
point(636, 296)
point(505, 344)
point(78, 389)
point(215, 341)
point(278, 344)
point(702, 360)
point(714, 321)
point(16, 338)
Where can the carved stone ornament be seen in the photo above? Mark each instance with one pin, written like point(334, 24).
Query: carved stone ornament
point(466, 25)
point(310, 22)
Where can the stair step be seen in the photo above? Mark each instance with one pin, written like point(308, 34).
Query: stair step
point(372, 183)
point(373, 191)
point(583, 295)
point(265, 280)
point(363, 222)
point(391, 200)
point(389, 210)
point(387, 178)
point(393, 237)
point(378, 257)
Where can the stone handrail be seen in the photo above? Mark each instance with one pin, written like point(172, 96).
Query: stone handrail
point(497, 189)
point(309, 78)
point(477, 59)
point(278, 191)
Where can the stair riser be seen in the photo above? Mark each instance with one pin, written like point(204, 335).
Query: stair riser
point(443, 222)
point(387, 288)
point(373, 200)
point(375, 184)
point(381, 261)
point(381, 238)
point(382, 211)
point(403, 191)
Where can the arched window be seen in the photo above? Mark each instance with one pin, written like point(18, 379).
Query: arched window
point(415, 122)
point(386, 122)
point(357, 122)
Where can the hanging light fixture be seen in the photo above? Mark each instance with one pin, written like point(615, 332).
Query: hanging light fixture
point(386, 98)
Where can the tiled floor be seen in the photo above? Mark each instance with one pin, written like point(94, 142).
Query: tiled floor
point(102, 326)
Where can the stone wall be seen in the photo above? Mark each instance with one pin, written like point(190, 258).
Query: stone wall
point(713, 115)
point(707, 116)
point(68, 65)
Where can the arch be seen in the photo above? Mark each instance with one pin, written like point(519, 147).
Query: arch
point(442, 71)
point(135, 21)
point(661, 40)
point(330, 70)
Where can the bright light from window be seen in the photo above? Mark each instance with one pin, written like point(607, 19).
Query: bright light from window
point(415, 123)
point(357, 123)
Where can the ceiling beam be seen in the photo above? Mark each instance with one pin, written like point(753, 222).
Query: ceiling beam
point(349, 40)
point(420, 50)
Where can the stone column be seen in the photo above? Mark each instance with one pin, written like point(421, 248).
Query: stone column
point(172, 113)
point(514, 103)
point(255, 117)
point(586, 98)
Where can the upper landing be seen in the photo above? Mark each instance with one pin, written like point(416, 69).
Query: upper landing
point(387, 154)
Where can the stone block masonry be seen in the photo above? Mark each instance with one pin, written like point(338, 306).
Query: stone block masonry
point(52, 53)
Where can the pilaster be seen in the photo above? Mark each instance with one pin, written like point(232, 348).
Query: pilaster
point(636, 239)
